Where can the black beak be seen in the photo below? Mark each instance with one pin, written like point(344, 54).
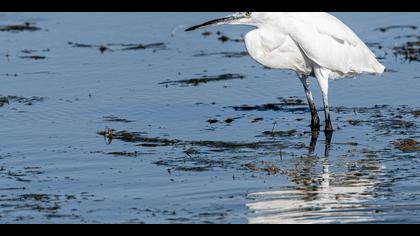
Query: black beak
point(212, 22)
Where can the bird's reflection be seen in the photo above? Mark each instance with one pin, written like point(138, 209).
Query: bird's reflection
point(317, 194)
point(314, 141)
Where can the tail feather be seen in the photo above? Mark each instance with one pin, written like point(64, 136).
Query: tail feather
point(378, 68)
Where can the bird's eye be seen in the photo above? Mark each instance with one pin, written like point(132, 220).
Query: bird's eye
point(248, 13)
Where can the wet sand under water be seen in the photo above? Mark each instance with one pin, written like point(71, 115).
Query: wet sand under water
point(116, 126)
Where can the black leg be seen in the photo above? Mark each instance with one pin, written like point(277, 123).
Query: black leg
point(328, 123)
point(315, 123)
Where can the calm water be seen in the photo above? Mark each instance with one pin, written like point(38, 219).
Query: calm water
point(166, 163)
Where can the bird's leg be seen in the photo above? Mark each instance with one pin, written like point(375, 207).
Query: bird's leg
point(328, 140)
point(323, 84)
point(315, 124)
point(328, 122)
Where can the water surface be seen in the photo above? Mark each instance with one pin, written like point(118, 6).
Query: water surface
point(225, 141)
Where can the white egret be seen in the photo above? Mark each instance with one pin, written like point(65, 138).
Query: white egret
point(313, 44)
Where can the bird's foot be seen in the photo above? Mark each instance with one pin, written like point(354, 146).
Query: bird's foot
point(315, 124)
point(329, 128)
point(328, 125)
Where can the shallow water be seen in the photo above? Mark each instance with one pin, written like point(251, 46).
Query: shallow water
point(205, 147)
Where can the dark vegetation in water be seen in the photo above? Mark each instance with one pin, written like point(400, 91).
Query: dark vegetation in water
point(264, 167)
point(212, 121)
point(286, 104)
point(29, 54)
point(385, 29)
point(408, 145)
point(142, 140)
point(260, 157)
point(224, 38)
point(110, 47)
point(224, 54)
point(127, 154)
point(20, 27)
point(145, 46)
point(18, 99)
point(117, 119)
point(206, 155)
point(34, 57)
point(287, 133)
point(410, 51)
point(204, 80)
point(9, 75)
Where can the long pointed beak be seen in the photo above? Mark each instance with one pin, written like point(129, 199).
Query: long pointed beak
point(221, 21)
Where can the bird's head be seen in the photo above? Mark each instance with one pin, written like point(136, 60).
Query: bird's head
point(234, 19)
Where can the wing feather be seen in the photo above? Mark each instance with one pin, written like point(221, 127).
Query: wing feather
point(332, 45)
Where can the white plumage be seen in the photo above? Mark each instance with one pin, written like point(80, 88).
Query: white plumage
point(296, 41)
point(311, 44)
